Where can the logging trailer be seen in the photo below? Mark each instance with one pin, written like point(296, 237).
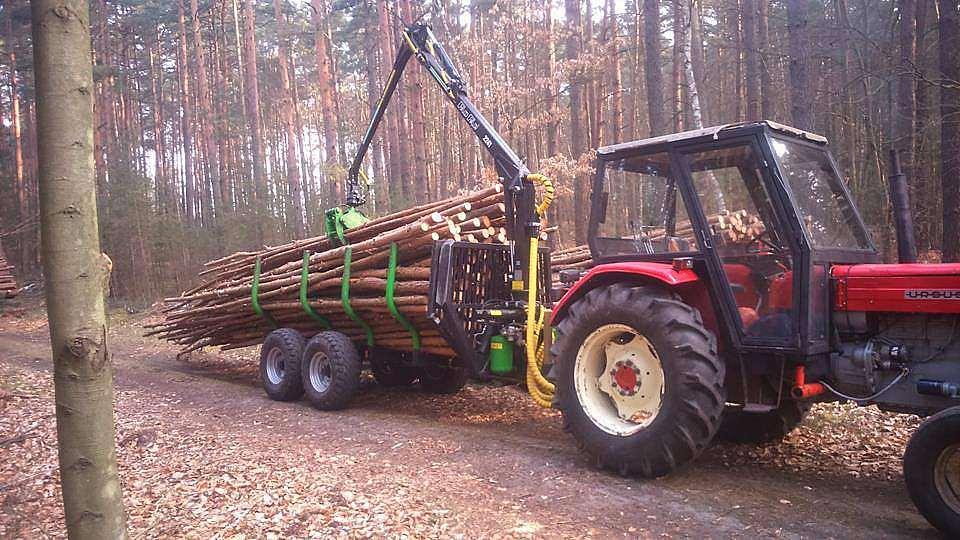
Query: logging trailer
point(678, 333)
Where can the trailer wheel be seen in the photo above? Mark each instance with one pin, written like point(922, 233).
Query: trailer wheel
point(640, 383)
point(443, 379)
point(330, 370)
point(931, 468)
point(742, 427)
point(280, 357)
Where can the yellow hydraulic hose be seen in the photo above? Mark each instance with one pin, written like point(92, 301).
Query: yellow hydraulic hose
point(541, 390)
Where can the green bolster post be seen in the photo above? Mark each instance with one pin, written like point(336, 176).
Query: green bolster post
point(391, 284)
point(255, 297)
point(345, 297)
point(304, 301)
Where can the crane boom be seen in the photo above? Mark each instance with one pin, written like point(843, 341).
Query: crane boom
point(418, 41)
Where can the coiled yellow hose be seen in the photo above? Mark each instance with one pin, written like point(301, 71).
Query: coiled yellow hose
point(541, 390)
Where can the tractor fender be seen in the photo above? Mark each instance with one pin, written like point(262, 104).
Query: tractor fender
point(685, 282)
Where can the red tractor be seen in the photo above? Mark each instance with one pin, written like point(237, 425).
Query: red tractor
point(734, 284)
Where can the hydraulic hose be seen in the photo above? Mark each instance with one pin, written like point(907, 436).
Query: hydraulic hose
point(541, 390)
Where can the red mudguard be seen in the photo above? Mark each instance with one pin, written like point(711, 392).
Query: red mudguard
point(905, 288)
point(660, 272)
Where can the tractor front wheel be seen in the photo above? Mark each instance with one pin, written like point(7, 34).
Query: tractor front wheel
point(640, 383)
point(931, 468)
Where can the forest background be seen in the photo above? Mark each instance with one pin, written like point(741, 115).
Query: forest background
point(223, 125)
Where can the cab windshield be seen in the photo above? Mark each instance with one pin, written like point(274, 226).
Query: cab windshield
point(822, 204)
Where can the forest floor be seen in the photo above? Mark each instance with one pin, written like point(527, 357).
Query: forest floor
point(204, 454)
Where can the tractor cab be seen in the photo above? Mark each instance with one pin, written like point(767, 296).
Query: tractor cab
point(758, 211)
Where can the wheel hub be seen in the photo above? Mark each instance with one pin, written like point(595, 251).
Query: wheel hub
point(619, 379)
point(626, 378)
point(947, 476)
point(275, 367)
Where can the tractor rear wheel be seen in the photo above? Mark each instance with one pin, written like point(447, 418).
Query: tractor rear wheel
point(931, 469)
point(743, 427)
point(640, 383)
point(280, 357)
point(330, 370)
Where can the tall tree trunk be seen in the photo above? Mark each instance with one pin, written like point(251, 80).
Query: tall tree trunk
point(920, 192)
point(653, 73)
point(905, 108)
point(392, 120)
point(676, 75)
point(159, 146)
point(550, 85)
point(577, 128)
point(21, 182)
point(949, 56)
point(186, 122)
point(326, 86)
point(616, 91)
point(252, 104)
point(751, 57)
point(76, 272)
point(695, 35)
point(414, 100)
point(763, 45)
point(288, 114)
point(204, 99)
point(801, 102)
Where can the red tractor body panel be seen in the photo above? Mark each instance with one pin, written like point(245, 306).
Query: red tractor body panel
point(650, 271)
point(903, 288)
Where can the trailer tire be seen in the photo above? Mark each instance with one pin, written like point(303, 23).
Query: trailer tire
point(931, 469)
point(443, 379)
point(742, 427)
point(676, 363)
point(330, 370)
point(280, 363)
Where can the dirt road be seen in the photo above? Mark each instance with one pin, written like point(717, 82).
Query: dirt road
point(204, 453)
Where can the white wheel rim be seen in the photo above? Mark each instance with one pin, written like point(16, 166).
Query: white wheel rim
point(320, 372)
point(946, 476)
point(619, 379)
point(274, 365)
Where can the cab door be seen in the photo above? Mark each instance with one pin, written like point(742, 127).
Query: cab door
point(752, 258)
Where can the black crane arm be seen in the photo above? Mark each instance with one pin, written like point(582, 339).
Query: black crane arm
point(522, 212)
point(419, 42)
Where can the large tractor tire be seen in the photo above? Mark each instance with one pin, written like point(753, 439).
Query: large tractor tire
point(640, 384)
point(743, 427)
point(931, 468)
point(280, 364)
point(330, 370)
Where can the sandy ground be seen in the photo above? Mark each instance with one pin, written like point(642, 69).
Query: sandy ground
point(204, 454)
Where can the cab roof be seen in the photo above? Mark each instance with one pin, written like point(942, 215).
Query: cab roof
point(716, 132)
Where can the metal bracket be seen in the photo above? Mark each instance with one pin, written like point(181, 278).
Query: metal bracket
point(304, 300)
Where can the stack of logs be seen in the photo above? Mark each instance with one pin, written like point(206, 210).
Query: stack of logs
point(8, 285)
point(737, 227)
point(220, 311)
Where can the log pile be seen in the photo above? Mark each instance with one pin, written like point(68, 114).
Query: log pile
point(220, 311)
point(739, 227)
point(8, 284)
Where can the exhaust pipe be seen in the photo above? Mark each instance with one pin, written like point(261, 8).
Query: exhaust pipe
point(902, 218)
